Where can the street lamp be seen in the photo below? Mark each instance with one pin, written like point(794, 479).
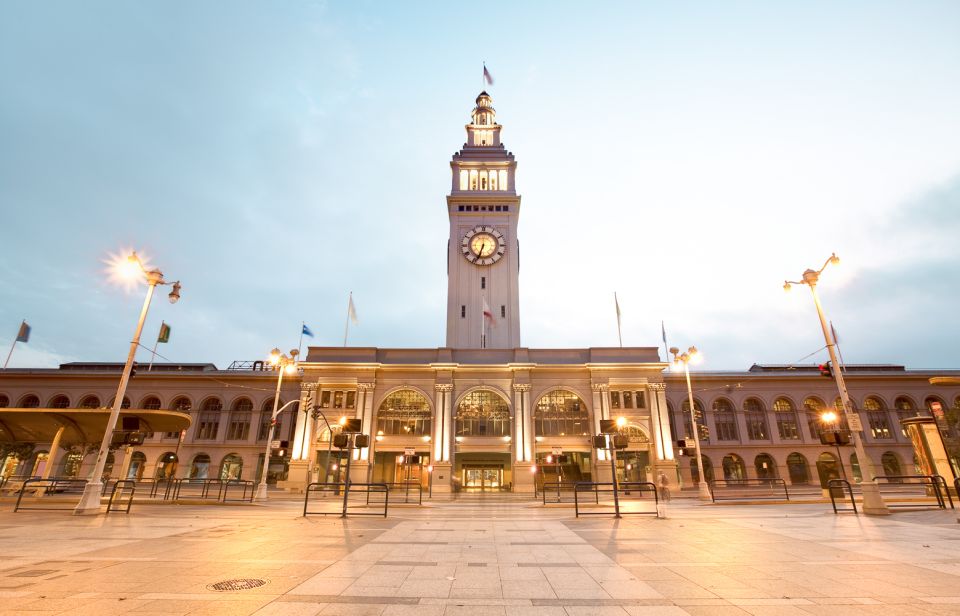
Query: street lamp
point(284, 364)
point(683, 360)
point(872, 500)
point(131, 268)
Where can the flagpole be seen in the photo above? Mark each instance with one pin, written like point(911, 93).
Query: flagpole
point(300, 344)
point(617, 304)
point(12, 346)
point(154, 355)
point(346, 327)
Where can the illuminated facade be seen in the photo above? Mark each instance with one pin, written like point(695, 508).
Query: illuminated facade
point(483, 412)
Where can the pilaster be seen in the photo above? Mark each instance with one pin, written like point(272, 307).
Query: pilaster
point(365, 414)
point(523, 437)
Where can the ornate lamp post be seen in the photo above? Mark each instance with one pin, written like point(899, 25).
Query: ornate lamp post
point(872, 500)
point(287, 365)
point(131, 268)
point(683, 360)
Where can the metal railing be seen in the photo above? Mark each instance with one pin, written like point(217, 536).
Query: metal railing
point(749, 489)
point(838, 485)
point(554, 492)
point(404, 487)
point(913, 487)
point(119, 488)
point(635, 489)
point(43, 488)
point(243, 483)
point(341, 492)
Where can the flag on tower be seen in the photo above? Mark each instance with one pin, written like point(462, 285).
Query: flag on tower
point(486, 75)
point(306, 331)
point(352, 311)
point(24, 334)
point(616, 303)
point(487, 314)
point(164, 336)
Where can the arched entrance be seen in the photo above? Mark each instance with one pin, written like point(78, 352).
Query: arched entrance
point(138, 461)
point(483, 439)
point(200, 466)
point(765, 466)
point(167, 466)
point(891, 464)
point(734, 468)
point(634, 461)
point(707, 469)
point(798, 469)
point(827, 468)
point(404, 423)
point(231, 467)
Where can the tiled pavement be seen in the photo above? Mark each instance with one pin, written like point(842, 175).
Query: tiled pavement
point(507, 558)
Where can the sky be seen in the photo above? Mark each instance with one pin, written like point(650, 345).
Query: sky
point(688, 156)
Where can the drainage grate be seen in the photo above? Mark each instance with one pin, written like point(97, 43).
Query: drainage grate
point(243, 584)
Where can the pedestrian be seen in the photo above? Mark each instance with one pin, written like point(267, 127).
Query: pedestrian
point(664, 487)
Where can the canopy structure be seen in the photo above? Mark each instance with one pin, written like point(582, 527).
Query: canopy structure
point(40, 425)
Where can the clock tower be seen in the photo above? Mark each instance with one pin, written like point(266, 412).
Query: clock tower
point(483, 254)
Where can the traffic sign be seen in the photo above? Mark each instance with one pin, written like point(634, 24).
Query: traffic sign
point(853, 419)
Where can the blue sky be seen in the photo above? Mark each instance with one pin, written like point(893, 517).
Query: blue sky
point(690, 156)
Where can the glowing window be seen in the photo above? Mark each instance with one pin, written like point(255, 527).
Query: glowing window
point(503, 180)
point(473, 179)
point(464, 179)
point(493, 180)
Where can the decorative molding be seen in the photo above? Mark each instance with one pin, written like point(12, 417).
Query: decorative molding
point(309, 386)
point(366, 386)
point(657, 386)
point(443, 387)
point(599, 387)
point(521, 387)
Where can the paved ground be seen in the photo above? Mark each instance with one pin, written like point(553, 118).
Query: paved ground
point(481, 557)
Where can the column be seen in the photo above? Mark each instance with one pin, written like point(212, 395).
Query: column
point(663, 460)
point(598, 414)
point(443, 436)
point(523, 478)
point(365, 413)
point(298, 471)
point(529, 433)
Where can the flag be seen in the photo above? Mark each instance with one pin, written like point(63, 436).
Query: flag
point(352, 311)
point(306, 331)
point(833, 332)
point(617, 304)
point(24, 334)
point(164, 336)
point(487, 76)
point(487, 314)
point(663, 332)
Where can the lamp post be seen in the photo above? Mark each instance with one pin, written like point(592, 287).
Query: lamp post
point(131, 268)
point(872, 500)
point(283, 364)
point(831, 417)
point(684, 360)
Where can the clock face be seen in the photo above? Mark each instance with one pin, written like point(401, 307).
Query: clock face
point(483, 245)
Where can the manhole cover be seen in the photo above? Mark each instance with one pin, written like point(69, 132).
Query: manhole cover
point(244, 584)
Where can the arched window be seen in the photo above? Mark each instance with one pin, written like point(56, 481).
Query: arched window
point(124, 405)
point(698, 410)
point(151, 403)
point(725, 420)
point(798, 469)
point(878, 418)
point(405, 412)
point(231, 467)
point(561, 413)
point(200, 467)
point(786, 416)
point(29, 402)
point(765, 466)
point(756, 419)
point(182, 405)
point(905, 410)
point(138, 461)
point(814, 409)
point(59, 402)
point(733, 468)
point(89, 402)
point(208, 421)
point(827, 468)
point(5, 401)
point(239, 427)
point(891, 464)
point(483, 413)
point(855, 467)
point(265, 412)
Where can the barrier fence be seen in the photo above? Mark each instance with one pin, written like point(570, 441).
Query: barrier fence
point(334, 498)
point(748, 489)
point(52, 494)
point(627, 498)
point(402, 487)
point(836, 488)
point(117, 494)
point(914, 487)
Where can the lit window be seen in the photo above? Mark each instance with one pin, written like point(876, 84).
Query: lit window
point(503, 180)
point(464, 179)
point(473, 179)
point(493, 180)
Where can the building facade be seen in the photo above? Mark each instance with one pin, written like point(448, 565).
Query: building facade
point(482, 413)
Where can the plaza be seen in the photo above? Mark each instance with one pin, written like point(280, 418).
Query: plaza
point(481, 555)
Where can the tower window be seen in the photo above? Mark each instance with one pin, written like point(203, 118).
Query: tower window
point(503, 312)
point(503, 180)
point(464, 179)
point(483, 282)
point(463, 312)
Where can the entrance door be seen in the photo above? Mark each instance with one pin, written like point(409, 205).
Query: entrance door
point(483, 478)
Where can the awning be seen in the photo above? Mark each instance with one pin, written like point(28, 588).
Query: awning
point(40, 425)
